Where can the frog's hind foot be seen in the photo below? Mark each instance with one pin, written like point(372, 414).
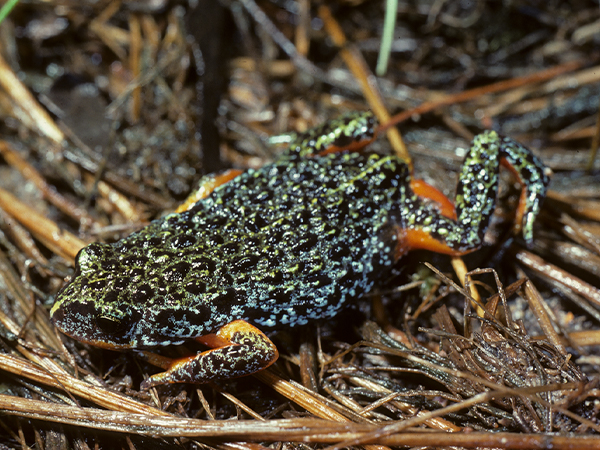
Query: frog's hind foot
point(239, 349)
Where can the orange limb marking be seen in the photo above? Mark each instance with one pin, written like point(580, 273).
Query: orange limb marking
point(225, 335)
point(420, 240)
point(522, 207)
point(208, 184)
point(354, 146)
point(414, 239)
point(424, 190)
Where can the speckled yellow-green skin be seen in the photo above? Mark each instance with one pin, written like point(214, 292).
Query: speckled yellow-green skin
point(292, 242)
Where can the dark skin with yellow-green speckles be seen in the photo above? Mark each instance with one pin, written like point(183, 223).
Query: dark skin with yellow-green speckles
point(292, 242)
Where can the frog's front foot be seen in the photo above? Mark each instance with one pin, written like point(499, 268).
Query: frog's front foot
point(238, 349)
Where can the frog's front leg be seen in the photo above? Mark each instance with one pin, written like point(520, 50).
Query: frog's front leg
point(238, 349)
point(476, 198)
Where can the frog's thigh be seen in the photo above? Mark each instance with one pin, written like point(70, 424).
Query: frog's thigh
point(425, 190)
point(206, 185)
point(240, 349)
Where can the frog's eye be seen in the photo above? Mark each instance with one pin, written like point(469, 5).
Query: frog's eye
point(110, 324)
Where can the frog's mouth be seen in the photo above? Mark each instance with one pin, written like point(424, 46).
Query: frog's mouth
point(80, 321)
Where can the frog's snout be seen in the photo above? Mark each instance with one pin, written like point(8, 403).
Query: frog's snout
point(57, 315)
point(73, 319)
point(83, 322)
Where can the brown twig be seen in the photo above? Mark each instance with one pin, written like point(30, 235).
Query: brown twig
point(367, 80)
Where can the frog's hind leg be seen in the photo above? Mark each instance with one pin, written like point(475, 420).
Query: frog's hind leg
point(349, 132)
point(427, 191)
point(475, 199)
point(239, 349)
point(476, 187)
point(207, 184)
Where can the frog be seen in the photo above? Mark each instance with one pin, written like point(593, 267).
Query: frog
point(290, 243)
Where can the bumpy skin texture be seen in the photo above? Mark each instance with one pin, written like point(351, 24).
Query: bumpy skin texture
point(279, 246)
point(292, 242)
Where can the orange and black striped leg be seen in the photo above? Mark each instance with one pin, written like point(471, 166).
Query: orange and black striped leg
point(238, 349)
point(207, 184)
